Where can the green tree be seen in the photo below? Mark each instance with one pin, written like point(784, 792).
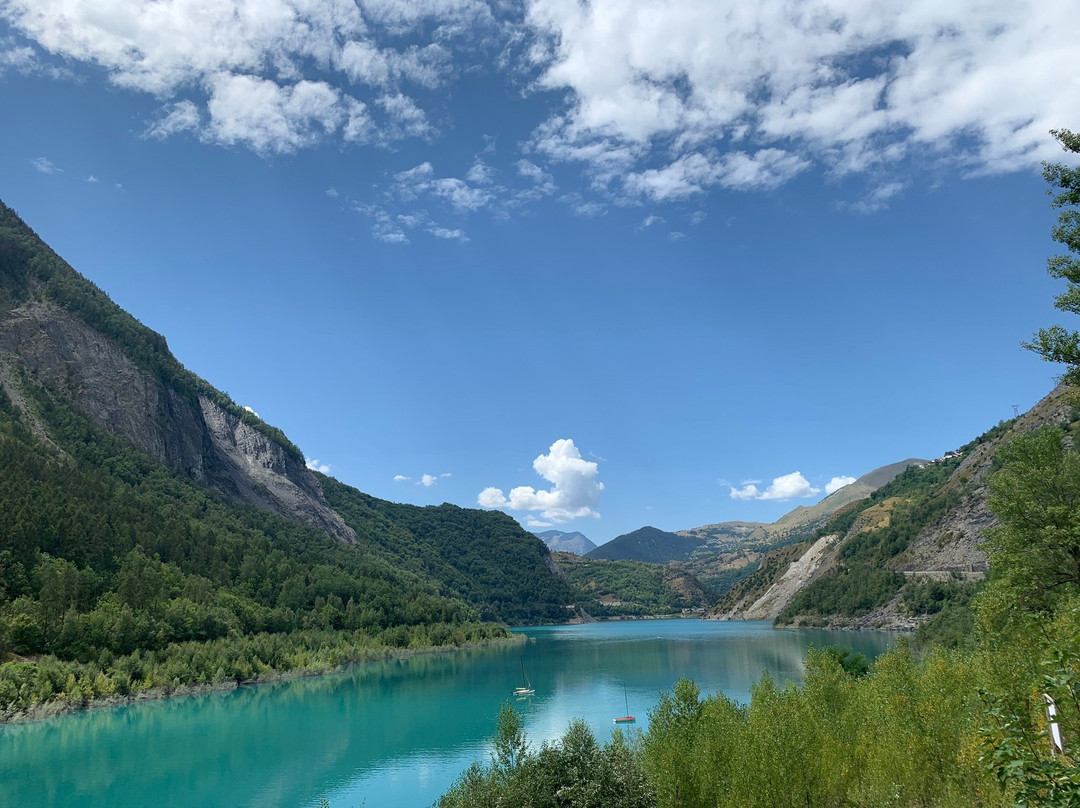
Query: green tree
point(1035, 549)
point(511, 745)
point(1057, 344)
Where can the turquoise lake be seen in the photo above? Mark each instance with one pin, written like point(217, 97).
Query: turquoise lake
point(394, 733)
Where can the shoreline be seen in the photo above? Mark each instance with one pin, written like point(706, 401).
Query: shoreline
point(51, 709)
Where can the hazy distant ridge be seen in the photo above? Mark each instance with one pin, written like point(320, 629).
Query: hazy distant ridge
point(560, 542)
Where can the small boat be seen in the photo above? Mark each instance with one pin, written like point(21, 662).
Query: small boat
point(625, 719)
point(526, 688)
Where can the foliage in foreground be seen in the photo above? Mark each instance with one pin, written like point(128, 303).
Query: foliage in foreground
point(574, 771)
point(960, 726)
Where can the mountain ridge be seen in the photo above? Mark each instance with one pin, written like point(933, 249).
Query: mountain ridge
point(934, 528)
point(64, 344)
point(559, 541)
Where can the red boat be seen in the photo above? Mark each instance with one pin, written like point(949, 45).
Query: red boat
point(626, 719)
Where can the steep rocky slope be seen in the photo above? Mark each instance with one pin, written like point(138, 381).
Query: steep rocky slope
point(801, 521)
point(730, 551)
point(812, 582)
point(67, 352)
point(58, 330)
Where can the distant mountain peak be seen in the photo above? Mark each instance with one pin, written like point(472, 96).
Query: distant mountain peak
point(562, 542)
point(648, 544)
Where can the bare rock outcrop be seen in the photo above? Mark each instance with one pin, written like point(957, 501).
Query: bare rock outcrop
point(799, 573)
point(196, 438)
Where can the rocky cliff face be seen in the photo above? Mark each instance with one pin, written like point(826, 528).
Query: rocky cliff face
point(952, 544)
point(197, 437)
point(947, 548)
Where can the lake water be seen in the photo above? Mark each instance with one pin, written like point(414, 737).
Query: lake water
point(394, 733)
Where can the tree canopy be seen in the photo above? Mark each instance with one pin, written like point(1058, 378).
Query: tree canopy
point(1056, 343)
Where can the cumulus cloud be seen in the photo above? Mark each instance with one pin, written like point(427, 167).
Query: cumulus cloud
point(786, 486)
point(249, 409)
point(401, 478)
point(836, 483)
point(428, 480)
point(315, 464)
point(746, 96)
point(574, 491)
point(255, 72)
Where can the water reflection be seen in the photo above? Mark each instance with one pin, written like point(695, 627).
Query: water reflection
point(391, 733)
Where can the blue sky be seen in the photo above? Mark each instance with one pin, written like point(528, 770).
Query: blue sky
point(599, 265)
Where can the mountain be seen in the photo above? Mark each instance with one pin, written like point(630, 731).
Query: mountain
point(616, 589)
point(647, 544)
point(732, 550)
point(893, 558)
point(803, 519)
point(117, 459)
point(560, 542)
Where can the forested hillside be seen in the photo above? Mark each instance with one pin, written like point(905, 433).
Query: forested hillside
point(648, 544)
point(155, 535)
point(631, 588)
point(861, 566)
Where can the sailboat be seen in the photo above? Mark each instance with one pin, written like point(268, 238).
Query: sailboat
point(526, 688)
point(625, 719)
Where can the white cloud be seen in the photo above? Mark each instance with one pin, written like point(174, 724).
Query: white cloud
point(448, 233)
point(315, 464)
point(16, 57)
point(574, 491)
point(426, 480)
point(405, 118)
point(480, 173)
point(586, 208)
point(659, 102)
point(786, 486)
point(249, 409)
point(332, 192)
point(182, 116)
point(421, 181)
point(543, 182)
point(92, 179)
point(45, 166)
point(746, 95)
point(877, 199)
point(271, 118)
point(224, 53)
point(649, 221)
point(836, 483)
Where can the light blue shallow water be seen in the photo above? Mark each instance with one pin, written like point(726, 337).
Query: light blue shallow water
point(394, 733)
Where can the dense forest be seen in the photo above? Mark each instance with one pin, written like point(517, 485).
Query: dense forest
point(605, 588)
point(120, 574)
